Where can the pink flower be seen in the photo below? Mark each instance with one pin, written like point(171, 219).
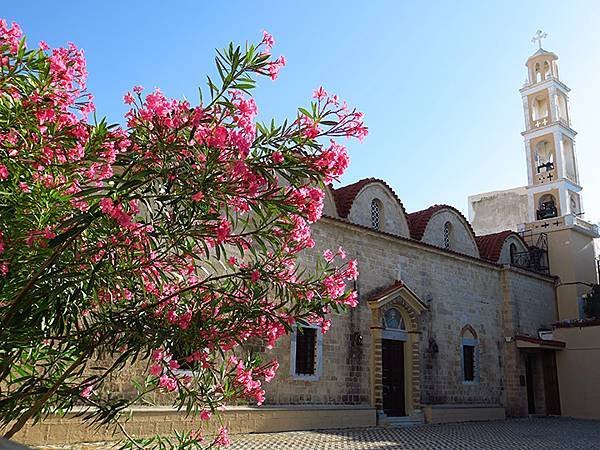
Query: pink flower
point(255, 276)
point(277, 157)
point(351, 272)
point(342, 253)
point(3, 268)
point(3, 172)
point(352, 299)
point(138, 89)
point(174, 365)
point(319, 93)
point(128, 99)
point(223, 438)
point(328, 255)
point(87, 391)
point(198, 196)
point(270, 372)
point(24, 187)
point(275, 66)
point(205, 414)
point(268, 40)
point(223, 230)
point(157, 354)
point(167, 383)
point(156, 370)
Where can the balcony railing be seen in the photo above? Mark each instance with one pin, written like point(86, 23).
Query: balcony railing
point(536, 256)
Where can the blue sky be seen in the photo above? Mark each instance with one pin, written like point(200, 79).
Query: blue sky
point(438, 81)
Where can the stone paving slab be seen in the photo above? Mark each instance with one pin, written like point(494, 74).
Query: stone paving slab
point(517, 434)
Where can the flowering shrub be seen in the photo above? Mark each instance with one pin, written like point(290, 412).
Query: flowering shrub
point(172, 241)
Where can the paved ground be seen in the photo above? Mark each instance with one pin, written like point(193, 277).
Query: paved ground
point(524, 434)
point(519, 434)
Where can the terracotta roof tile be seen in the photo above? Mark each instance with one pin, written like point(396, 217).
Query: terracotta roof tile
point(490, 245)
point(417, 221)
point(345, 195)
point(380, 293)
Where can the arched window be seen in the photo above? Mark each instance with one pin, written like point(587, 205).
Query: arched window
point(539, 108)
point(447, 235)
point(537, 73)
point(546, 207)
point(513, 252)
point(547, 71)
point(376, 214)
point(574, 203)
point(544, 157)
point(569, 159)
point(469, 355)
point(392, 319)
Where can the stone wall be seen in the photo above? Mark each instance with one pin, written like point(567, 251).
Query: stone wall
point(529, 305)
point(458, 290)
point(498, 211)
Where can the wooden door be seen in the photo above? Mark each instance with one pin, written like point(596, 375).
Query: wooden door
point(393, 377)
point(551, 383)
point(529, 381)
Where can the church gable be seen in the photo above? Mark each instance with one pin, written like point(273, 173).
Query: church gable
point(372, 203)
point(444, 227)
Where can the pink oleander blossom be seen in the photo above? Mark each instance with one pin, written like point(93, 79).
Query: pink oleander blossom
point(223, 437)
point(268, 41)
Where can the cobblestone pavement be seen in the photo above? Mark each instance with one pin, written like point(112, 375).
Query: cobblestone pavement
point(525, 434)
point(518, 434)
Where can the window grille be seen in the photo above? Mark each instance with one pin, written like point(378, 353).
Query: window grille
point(447, 235)
point(375, 214)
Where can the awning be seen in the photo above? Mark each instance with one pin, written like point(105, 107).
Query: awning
point(529, 342)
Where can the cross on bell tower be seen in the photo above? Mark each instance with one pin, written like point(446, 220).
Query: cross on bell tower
point(538, 36)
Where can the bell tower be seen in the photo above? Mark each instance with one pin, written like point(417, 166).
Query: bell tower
point(554, 203)
point(553, 180)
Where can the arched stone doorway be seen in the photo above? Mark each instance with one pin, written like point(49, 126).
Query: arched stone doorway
point(395, 359)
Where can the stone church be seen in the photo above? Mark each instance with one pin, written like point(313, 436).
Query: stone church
point(457, 319)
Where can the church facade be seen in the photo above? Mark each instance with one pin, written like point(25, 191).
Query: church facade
point(458, 319)
point(441, 322)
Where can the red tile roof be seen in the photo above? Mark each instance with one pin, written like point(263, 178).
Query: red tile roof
point(417, 221)
point(380, 293)
point(345, 195)
point(490, 245)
